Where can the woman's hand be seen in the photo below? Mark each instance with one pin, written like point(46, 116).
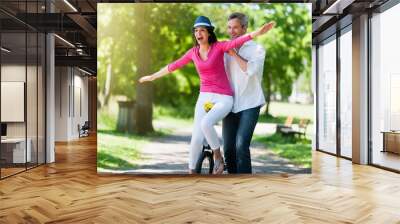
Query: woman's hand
point(147, 78)
point(263, 29)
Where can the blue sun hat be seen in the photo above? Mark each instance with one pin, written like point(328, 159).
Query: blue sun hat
point(202, 21)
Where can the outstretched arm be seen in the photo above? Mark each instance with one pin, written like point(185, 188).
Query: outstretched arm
point(169, 68)
point(148, 78)
point(230, 44)
point(263, 29)
point(227, 45)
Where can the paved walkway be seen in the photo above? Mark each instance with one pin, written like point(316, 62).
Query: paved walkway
point(169, 154)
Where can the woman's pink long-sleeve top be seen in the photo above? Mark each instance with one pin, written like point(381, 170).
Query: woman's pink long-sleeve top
point(213, 77)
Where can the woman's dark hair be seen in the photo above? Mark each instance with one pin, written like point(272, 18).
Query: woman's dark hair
point(211, 39)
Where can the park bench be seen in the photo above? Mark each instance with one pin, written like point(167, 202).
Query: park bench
point(302, 128)
point(284, 127)
point(289, 131)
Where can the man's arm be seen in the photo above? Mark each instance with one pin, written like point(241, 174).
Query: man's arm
point(254, 65)
point(239, 59)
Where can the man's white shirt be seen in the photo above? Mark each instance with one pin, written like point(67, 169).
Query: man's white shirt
point(247, 86)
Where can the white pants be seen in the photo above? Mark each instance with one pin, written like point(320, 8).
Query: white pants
point(204, 123)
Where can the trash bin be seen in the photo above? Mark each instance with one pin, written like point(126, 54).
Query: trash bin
point(126, 116)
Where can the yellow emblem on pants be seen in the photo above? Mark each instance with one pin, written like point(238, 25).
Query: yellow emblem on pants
point(208, 106)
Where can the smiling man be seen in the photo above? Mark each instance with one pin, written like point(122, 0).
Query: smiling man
point(244, 66)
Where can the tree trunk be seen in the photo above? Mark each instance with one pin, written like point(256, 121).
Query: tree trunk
point(107, 86)
point(268, 90)
point(144, 92)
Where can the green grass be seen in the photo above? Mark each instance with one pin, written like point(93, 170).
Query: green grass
point(106, 121)
point(116, 150)
point(298, 151)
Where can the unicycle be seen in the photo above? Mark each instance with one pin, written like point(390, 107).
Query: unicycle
point(205, 164)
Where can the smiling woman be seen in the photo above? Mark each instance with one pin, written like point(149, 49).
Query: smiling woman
point(203, 33)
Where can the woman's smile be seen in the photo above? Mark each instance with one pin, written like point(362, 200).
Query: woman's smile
point(201, 34)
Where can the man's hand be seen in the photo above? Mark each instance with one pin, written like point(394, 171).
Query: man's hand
point(266, 27)
point(263, 29)
point(241, 61)
point(232, 52)
point(147, 78)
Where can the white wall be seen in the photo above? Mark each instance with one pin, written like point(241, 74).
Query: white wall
point(81, 94)
point(61, 103)
point(71, 87)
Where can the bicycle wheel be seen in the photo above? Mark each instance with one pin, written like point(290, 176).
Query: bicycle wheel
point(205, 164)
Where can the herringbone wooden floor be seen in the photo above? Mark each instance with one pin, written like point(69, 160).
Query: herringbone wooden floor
point(70, 191)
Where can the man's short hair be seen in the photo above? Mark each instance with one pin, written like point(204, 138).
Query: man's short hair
point(244, 21)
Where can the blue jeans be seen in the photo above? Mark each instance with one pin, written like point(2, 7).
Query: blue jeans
point(237, 131)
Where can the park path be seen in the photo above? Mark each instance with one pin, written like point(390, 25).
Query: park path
point(169, 154)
